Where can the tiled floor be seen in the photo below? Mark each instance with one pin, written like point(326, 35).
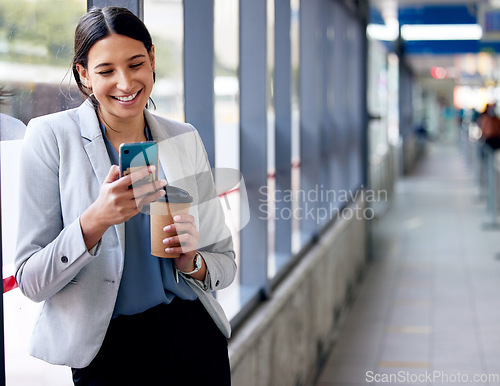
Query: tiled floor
point(428, 311)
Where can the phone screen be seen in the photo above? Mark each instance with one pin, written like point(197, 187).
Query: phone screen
point(134, 156)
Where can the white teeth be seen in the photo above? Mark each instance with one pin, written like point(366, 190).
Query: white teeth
point(126, 99)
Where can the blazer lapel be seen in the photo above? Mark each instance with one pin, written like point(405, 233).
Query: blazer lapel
point(97, 153)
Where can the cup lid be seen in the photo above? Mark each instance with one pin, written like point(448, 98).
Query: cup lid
point(176, 195)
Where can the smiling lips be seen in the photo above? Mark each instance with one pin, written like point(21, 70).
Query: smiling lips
point(127, 98)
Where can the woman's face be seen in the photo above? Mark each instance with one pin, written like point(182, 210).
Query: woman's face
point(120, 74)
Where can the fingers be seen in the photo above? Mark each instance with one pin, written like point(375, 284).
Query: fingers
point(148, 193)
point(142, 183)
point(122, 203)
point(140, 191)
point(186, 241)
point(149, 198)
point(187, 235)
point(145, 173)
point(183, 223)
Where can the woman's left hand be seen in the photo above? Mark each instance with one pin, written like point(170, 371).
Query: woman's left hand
point(187, 236)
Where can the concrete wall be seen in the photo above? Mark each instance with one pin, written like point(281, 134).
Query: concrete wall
point(285, 341)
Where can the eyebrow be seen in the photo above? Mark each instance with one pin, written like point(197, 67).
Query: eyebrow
point(129, 59)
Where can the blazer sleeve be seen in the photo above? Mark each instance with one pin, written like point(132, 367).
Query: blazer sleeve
point(50, 249)
point(216, 245)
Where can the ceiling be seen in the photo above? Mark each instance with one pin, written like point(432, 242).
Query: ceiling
point(454, 55)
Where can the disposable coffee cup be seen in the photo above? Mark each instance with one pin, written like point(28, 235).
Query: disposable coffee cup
point(176, 201)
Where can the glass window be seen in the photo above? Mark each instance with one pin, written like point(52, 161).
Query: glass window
point(377, 97)
point(227, 126)
point(393, 99)
point(295, 55)
point(355, 90)
point(283, 132)
point(272, 266)
point(36, 50)
point(165, 22)
point(226, 83)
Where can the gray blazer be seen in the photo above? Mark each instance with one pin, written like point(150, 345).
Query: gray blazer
point(63, 165)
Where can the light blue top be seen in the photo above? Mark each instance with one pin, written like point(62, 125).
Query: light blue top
point(147, 280)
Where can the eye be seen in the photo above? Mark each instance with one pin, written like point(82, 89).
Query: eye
point(105, 72)
point(136, 65)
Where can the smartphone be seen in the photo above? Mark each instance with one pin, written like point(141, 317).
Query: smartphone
point(137, 155)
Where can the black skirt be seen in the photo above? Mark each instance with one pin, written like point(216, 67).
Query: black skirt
point(170, 344)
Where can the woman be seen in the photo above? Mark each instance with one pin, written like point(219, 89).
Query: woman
point(112, 311)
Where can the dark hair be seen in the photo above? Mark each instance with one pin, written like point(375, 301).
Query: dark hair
point(99, 23)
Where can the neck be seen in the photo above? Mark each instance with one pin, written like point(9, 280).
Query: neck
point(129, 128)
point(124, 131)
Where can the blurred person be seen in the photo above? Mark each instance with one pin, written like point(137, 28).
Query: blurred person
point(474, 115)
point(111, 311)
point(10, 128)
point(489, 123)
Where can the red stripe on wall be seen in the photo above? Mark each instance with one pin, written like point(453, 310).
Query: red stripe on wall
point(9, 283)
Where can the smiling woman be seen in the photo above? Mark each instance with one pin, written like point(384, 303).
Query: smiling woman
point(89, 260)
point(118, 83)
point(121, 83)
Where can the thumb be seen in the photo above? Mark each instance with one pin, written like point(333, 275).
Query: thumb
point(113, 174)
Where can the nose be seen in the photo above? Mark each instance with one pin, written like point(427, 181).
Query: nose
point(124, 81)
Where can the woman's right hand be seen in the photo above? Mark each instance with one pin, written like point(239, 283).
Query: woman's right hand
point(117, 203)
